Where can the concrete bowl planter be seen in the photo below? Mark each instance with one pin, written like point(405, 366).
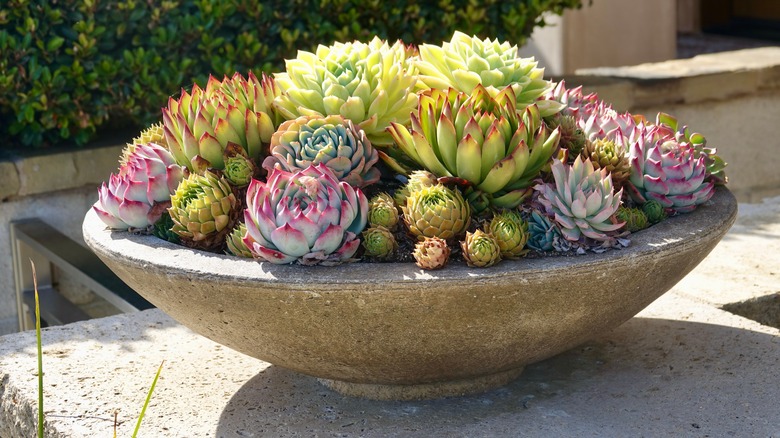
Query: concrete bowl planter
point(393, 331)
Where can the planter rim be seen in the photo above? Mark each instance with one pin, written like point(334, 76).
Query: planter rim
point(714, 217)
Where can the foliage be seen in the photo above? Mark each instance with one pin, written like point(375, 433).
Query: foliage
point(70, 67)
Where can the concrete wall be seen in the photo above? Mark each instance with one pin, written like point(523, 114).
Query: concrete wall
point(58, 188)
point(606, 33)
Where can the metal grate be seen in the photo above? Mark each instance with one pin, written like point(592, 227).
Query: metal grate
point(35, 240)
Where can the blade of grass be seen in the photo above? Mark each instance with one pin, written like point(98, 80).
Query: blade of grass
point(40, 351)
point(148, 399)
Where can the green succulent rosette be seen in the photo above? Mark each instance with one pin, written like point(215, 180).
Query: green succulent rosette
point(634, 218)
point(654, 211)
point(371, 84)
point(436, 211)
point(204, 210)
point(379, 242)
point(235, 242)
point(201, 124)
point(417, 180)
point(333, 141)
point(511, 233)
point(480, 249)
point(382, 211)
point(465, 62)
point(479, 139)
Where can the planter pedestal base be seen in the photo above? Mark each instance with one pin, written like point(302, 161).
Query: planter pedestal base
point(453, 388)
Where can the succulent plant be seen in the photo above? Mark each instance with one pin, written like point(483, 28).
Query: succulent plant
point(511, 233)
point(235, 242)
point(137, 196)
point(204, 210)
point(436, 211)
point(634, 218)
point(582, 200)
point(201, 124)
point(382, 211)
point(542, 232)
point(466, 62)
point(666, 171)
point(431, 253)
point(479, 139)
point(575, 103)
point(654, 211)
point(572, 137)
point(481, 249)
point(239, 168)
point(606, 154)
point(332, 140)
point(379, 242)
point(715, 164)
point(162, 229)
point(370, 84)
point(417, 180)
point(308, 216)
point(152, 134)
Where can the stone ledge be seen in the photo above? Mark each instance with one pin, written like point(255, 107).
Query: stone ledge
point(43, 173)
point(702, 78)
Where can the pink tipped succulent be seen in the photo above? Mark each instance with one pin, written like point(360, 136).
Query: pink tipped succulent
point(308, 216)
point(581, 200)
point(668, 172)
point(139, 194)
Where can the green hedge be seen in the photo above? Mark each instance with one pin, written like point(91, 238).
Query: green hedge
point(71, 66)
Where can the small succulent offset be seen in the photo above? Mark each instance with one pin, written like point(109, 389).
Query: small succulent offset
point(511, 233)
point(634, 218)
point(581, 200)
point(235, 242)
point(379, 242)
point(307, 216)
point(382, 211)
point(431, 253)
point(654, 211)
point(480, 249)
point(138, 195)
point(204, 210)
point(332, 140)
point(436, 211)
point(417, 180)
point(606, 154)
point(542, 232)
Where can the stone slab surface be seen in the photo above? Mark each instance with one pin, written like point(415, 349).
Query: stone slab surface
point(683, 367)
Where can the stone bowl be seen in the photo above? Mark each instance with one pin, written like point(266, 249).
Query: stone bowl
point(394, 331)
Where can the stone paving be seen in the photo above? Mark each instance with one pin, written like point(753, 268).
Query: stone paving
point(683, 367)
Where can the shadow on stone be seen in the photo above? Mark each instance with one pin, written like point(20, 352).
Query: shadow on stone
point(648, 376)
point(764, 310)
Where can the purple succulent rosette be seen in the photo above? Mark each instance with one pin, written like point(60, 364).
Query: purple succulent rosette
point(307, 216)
point(139, 194)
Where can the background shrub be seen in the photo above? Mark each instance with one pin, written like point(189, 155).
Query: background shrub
point(68, 67)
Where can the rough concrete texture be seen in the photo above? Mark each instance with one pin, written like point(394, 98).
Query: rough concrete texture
point(394, 324)
point(64, 210)
point(9, 180)
point(683, 367)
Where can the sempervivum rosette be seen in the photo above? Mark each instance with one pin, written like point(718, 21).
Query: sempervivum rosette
point(582, 200)
point(333, 141)
point(465, 62)
point(480, 139)
point(139, 194)
point(308, 216)
point(201, 124)
point(668, 172)
point(371, 84)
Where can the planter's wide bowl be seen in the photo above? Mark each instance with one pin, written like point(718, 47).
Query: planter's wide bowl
point(394, 331)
